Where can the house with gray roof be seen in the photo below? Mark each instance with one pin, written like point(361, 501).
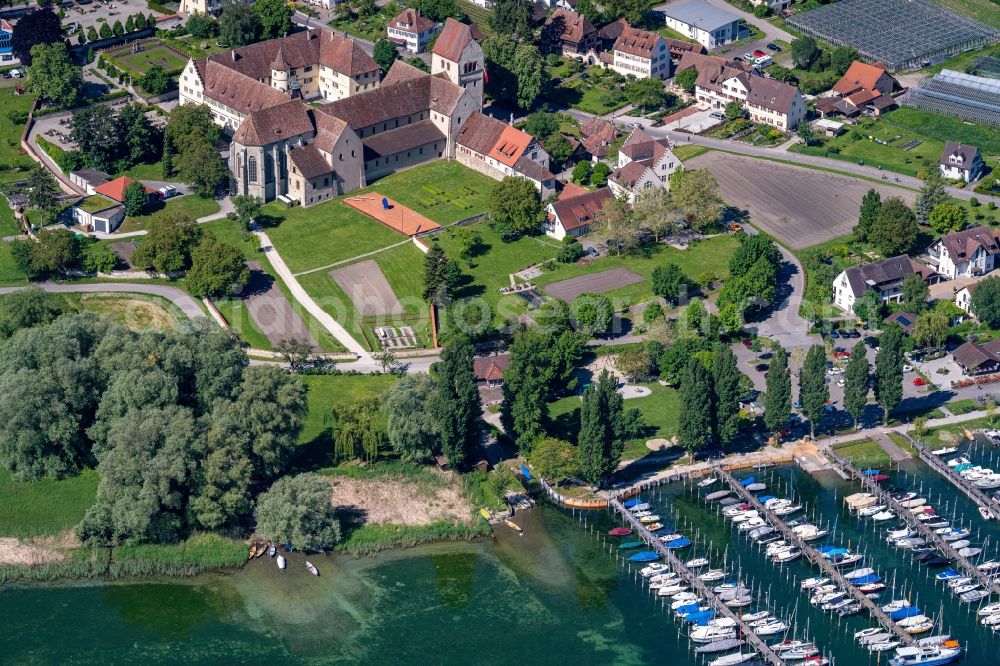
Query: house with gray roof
point(884, 277)
point(961, 162)
point(707, 24)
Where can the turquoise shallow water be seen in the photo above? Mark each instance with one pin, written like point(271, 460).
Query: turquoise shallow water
point(558, 595)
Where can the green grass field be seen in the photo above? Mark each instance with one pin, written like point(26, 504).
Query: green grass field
point(141, 62)
point(863, 453)
point(11, 161)
point(40, 508)
point(586, 94)
point(145, 171)
point(689, 151)
point(660, 411)
point(710, 255)
point(235, 312)
point(191, 204)
point(311, 238)
point(981, 10)
point(9, 273)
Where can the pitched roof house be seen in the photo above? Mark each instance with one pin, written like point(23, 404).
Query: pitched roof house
point(864, 88)
point(411, 30)
point(961, 162)
point(643, 163)
point(862, 76)
point(498, 150)
point(574, 210)
point(568, 33)
point(641, 53)
point(978, 359)
point(884, 277)
point(489, 369)
point(597, 135)
point(965, 253)
point(115, 189)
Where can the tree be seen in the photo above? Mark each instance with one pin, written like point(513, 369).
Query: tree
point(517, 73)
point(511, 18)
point(168, 243)
point(135, 198)
point(357, 432)
point(541, 124)
point(437, 10)
point(669, 282)
point(296, 352)
point(599, 174)
point(634, 363)
point(986, 301)
point(201, 26)
point(592, 314)
point(247, 208)
point(199, 165)
point(41, 26)
point(841, 59)
point(895, 229)
point(43, 192)
point(871, 203)
point(238, 24)
point(274, 17)
point(526, 388)
point(813, 391)
point(27, 308)
point(411, 426)
point(694, 423)
point(216, 268)
point(869, 306)
point(97, 130)
point(138, 137)
point(384, 53)
point(761, 11)
point(386, 359)
point(780, 73)
point(778, 393)
point(296, 510)
point(56, 251)
point(52, 74)
point(696, 194)
point(515, 208)
point(155, 81)
point(948, 217)
point(648, 94)
point(685, 79)
point(118, 29)
point(726, 382)
point(931, 329)
point(889, 369)
point(105, 31)
point(931, 195)
point(808, 134)
point(733, 110)
point(600, 443)
point(589, 9)
point(441, 275)
point(186, 120)
point(141, 22)
point(502, 479)
point(856, 382)
point(553, 459)
point(915, 293)
point(751, 250)
point(804, 52)
point(616, 227)
point(581, 172)
point(92, 34)
point(456, 406)
point(559, 149)
point(655, 211)
point(633, 11)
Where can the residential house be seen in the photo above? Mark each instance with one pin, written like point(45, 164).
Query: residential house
point(776, 6)
point(863, 88)
point(884, 277)
point(6, 33)
point(978, 359)
point(411, 30)
point(570, 34)
point(87, 179)
point(963, 298)
point(679, 48)
point(574, 210)
point(597, 135)
point(498, 150)
point(283, 147)
point(707, 24)
point(961, 162)
point(641, 53)
point(489, 369)
point(103, 210)
point(609, 34)
point(643, 163)
point(766, 100)
point(863, 76)
point(904, 320)
point(965, 253)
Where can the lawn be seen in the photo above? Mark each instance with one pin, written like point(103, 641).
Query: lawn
point(588, 95)
point(139, 63)
point(963, 406)
point(145, 171)
point(137, 312)
point(710, 255)
point(315, 237)
point(689, 151)
point(191, 204)
point(9, 273)
point(863, 453)
point(660, 411)
point(899, 130)
point(38, 508)
point(324, 393)
point(235, 312)
point(13, 164)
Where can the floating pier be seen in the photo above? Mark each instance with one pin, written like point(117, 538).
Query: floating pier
point(907, 516)
point(746, 632)
point(816, 558)
point(934, 462)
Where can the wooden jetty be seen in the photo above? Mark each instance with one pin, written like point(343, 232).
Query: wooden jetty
point(927, 534)
point(934, 462)
point(747, 632)
point(816, 558)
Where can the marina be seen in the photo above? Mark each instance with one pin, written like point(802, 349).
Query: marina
point(935, 462)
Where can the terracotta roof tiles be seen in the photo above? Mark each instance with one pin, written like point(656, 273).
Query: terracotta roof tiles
point(641, 43)
point(452, 40)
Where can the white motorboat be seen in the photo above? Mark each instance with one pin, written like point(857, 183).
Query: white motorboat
point(945, 450)
point(925, 656)
point(990, 609)
point(883, 516)
point(991, 620)
point(883, 646)
point(990, 482)
point(989, 565)
point(759, 532)
point(785, 556)
point(751, 524)
point(642, 506)
point(961, 543)
point(739, 602)
point(974, 595)
point(968, 587)
point(771, 628)
point(859, 573)
point(816, 581)
point(960, 460)
point(800, 652)
point(745, 516)
point(787, 510)
point(875, 638)
point(712, 575)
point(896, 605)
point(735, 659)
point(677, 603)
point(697, 563)
point(653, 569)
point(986, 513)
point(908, 623)
point(869, 511)
point(705, 483)
point(710, 633)
point(913, 503)
point(847, 559)
point(755, 617)
point(865, 633)
point(671, 590)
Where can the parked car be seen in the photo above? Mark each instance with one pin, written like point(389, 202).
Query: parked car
point(760, 367)
point(907, 367)
point(763, 61)
point(16, 73)
point(797, 404)
point(835, 371)
point(168, 191)
point(840, 383)
point(842, 354)
point(919, 381)
point(717, 115)
point(773, 47)
point(747, 343)
point(834, 334)
point(758, 53)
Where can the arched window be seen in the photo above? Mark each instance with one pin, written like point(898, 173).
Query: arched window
point(253, 169)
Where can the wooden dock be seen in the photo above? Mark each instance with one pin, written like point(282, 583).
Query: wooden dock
point(934, 462)
point(758, 644)
point(816, 558)
point(927, 534)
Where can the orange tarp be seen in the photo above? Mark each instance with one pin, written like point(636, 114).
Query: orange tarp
point(398, 217)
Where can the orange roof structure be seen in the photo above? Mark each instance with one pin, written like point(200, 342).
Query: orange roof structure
point(511, 145)
point(859, 75)
point(115, 189)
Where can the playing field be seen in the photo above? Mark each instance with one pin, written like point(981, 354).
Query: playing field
point(391, 213)
point(153, 53)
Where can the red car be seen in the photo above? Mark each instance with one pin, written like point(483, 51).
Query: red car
point(919, 381)
point(842, 354)
point(758, 53)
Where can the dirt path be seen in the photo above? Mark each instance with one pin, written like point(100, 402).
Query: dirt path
point(36, 551)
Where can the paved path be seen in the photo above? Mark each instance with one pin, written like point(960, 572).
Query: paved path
point(186, 303)
point(896, 454)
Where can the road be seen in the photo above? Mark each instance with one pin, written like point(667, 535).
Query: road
point(186, 303)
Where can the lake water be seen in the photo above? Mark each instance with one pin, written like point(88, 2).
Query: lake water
point(558, 595)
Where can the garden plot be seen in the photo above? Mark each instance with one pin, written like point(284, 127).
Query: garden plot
point(366, 286)
point(595, 283)
point(269, 308)
point(151, 54)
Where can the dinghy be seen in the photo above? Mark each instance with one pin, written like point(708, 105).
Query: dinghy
point(756, 487)
point(619, 531)
point(986, 513)
point(282, 563)
point(312, 568)
point(717, 495)
point(944, 450)
point(705, 483)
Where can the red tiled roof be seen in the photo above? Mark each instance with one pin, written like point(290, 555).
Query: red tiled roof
point(300, 49)
point(858, 75)
point(568, 26)
point(452, 40)
point(404, 94)
point(410, 20)
point(580, 210)
point(490, 368)
point(571, 190)
point(510, 146)
point(641, 43)
point(402, 138)
point(274, 123)
point(115, 189)
point(238, 91)
point(309, 161)
point(629, 175)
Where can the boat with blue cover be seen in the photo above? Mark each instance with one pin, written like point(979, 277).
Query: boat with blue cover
point(525, 473)
point(683, 542)
point(903, 613)
point(948, 574)
point(749, 480)
point(645, 556)
point(628, 504)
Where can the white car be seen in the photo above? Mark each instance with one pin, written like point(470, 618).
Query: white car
point(907, 367)
point(840, 383)
point(835, 371)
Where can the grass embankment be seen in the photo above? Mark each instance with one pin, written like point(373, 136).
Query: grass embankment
point(191, 204)
point(371, 539)
point(46, 507)
point(963, 406)
point(863, 453)
point(13, 165)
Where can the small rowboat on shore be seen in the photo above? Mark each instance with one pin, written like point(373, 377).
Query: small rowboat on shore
point(514, 526)
point(272, 550)
point(253, 552)
point(312, 569)
point(282, 563)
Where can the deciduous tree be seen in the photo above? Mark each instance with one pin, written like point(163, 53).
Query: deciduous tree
point(155, 81)
point(686, 78)
point(592, 314)
point(655, 212)
point(813, 391)
point(778, 392)
point(216, 268)
point(553, 460)
point(696, 194)
point(986, 301)
point(524, 409)
point(948, 217)
point(871, 203)
point(726, 381)
point(804, 52)
point(52, 73)
point(841, 59)
point(600, 443)
point(384, 54)
point(931, 195)
point(411, 426)
point(515, 208)
point(648, 94)
point(135, 198)
point(511, 18)
point(41, 26)
point(669, 282)
point(915, 293)
point(931, 329)
point(889, 369)
point(168, 243)
point(274, 16)
point(895, 228)
point(297, 510)
point(238, 24)
point(856, 382)
point(247, 207)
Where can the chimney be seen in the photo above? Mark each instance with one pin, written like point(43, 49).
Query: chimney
point(236, 56)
